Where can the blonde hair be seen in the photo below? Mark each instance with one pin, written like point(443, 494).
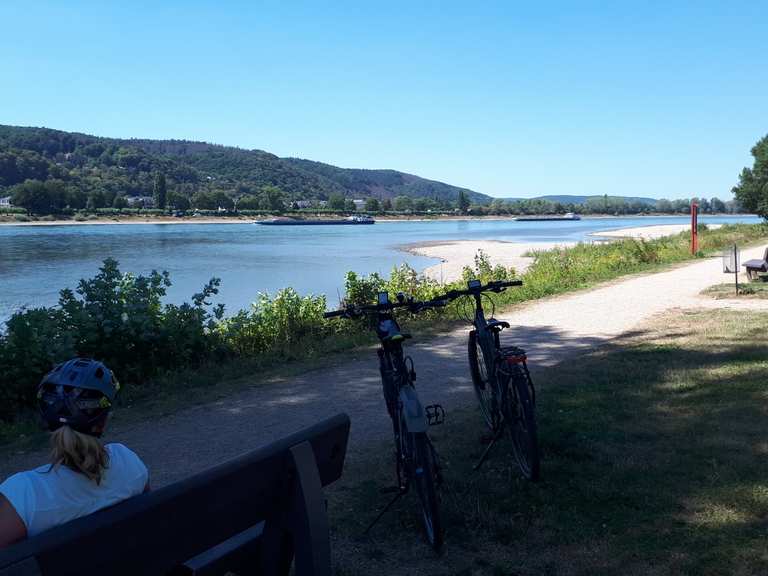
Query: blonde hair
point(80, 452)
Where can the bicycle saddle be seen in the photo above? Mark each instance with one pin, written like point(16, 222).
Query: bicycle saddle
point(497, 324)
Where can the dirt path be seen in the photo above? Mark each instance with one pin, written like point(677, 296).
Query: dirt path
point(552, 330)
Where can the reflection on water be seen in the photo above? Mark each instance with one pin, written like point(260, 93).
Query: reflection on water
point(35, 262)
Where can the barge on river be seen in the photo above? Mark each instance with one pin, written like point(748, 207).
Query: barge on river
point(303, 222)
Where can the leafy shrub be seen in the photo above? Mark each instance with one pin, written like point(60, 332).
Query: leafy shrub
point(485, 271)
point(276, 325)
point(114, 317)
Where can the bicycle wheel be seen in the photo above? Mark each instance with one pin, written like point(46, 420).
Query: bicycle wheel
point(521, 423)
point(480, 380)
point(424, 477)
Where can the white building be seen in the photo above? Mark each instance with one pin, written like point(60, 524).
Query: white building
point(359, 204)
point(5, 201)
point(140, 201)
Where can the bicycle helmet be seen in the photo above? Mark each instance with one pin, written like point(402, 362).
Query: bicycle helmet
point(77, 393)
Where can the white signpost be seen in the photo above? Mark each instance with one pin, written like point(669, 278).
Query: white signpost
point(731, 258)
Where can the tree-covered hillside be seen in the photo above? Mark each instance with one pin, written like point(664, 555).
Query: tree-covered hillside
point(88, 165)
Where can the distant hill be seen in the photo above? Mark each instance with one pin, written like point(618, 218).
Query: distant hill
point(128, 166)
point(575, 199)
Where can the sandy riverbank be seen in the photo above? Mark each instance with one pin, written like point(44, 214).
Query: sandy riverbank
point(457, 254)
point(648, 232)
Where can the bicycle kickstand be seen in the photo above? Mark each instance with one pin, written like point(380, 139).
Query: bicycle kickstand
point(397, 497)
point(487, 450)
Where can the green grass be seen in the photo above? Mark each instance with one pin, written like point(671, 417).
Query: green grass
point(655, 461)
point(752, 291)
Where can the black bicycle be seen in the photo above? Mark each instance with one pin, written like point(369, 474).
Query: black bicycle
point(417, 461)
point(501, 380)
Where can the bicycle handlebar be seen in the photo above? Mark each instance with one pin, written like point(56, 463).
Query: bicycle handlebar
point(413, 306)
point(494, 286)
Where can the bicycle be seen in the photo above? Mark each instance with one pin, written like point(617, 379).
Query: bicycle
point(415, 456)
point(501, 380)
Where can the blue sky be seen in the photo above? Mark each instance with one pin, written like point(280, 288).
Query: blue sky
point(660, 99)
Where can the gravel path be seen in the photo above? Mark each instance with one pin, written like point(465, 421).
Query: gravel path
point(552, 330)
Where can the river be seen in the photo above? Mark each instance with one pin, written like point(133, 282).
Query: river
point(37, 261)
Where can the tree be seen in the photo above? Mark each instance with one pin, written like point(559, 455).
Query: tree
point(249, 203)
point(386, 206)
point(96, 200)
point(204, 201)
point(663, 205)
point(272, 198)
point(718, 206)
point(372, 205)
point(403, 203)
point(752, 190)
point(222, 200)
point(462, 202)
point(160, 191)
point(39, 197)
point(349, 205)
point(120, 202)
point(336, 202)
point(178, 201)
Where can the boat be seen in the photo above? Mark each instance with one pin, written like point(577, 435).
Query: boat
point(567, 217)
point(285, 221)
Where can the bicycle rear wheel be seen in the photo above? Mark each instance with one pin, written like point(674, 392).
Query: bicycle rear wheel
point(424, 476)
point(521, 423)
point(480, 380)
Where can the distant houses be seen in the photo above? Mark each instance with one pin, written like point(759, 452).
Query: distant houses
point(140, 201)
point(5, 202)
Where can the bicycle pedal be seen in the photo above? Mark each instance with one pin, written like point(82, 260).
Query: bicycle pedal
point(435, 414)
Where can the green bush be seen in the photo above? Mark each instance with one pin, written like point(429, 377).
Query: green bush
point(276, 325)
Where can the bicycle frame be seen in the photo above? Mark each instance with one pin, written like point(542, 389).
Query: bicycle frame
point(403, 404)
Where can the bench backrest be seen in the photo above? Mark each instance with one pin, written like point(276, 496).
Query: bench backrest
point(157, 531)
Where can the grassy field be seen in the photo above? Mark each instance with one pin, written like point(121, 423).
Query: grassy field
point(655, 461)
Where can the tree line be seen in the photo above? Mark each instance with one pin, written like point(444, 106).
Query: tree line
point(59, 197)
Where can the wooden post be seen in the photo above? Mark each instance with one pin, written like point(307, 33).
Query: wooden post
point(694, 227)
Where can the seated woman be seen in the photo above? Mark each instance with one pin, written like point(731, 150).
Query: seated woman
point(83, 475)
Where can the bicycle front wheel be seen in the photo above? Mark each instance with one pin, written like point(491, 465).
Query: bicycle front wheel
point(424, 475)
point(480, 380)
point(521, 423)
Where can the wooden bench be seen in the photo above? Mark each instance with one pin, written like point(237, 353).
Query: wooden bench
point(256, 514)
point(755, 266)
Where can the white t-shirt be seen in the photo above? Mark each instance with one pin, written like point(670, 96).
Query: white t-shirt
point(46, 497)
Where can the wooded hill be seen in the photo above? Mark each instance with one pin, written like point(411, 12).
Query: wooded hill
point(129, 167)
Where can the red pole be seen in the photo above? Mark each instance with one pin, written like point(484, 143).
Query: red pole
point(694, 227)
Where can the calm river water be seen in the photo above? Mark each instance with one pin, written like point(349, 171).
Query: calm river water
point(36, 262)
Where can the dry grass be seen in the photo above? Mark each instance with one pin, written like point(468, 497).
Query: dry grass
point(654, 463)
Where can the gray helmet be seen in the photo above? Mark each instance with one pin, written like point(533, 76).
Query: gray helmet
point(77, 393)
